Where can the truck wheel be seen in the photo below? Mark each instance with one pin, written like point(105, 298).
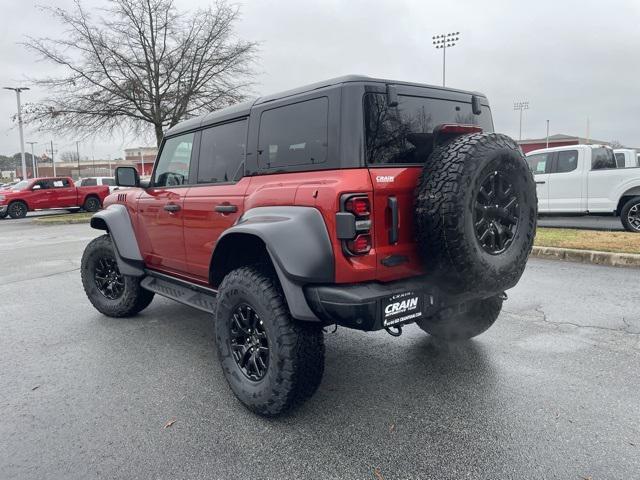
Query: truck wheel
point(91, 204)
point(111, 293)
point(271, 361)
point(630, 215)
point(18, 209)
point(476, 212)
point(463, 321)
point(4, 214)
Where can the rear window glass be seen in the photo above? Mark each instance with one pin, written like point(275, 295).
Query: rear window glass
point(88, 182)
point(404, 134)
point(294, 134)
point(620, 160)
point(538, 162)
point(602, 158)
point(108, 181)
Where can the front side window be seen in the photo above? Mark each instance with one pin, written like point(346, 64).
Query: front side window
point(602, 158)
point(567, 161)
point(538, 162)
point(295, 134)
point(620, 160)
point(404, 134)
point(222, 150)
point(43, 184)
point(174, 162)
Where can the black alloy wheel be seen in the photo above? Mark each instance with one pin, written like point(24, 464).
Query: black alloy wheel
point(109, 281)
point(496, 213)
point(17, 210)
point(249, 343)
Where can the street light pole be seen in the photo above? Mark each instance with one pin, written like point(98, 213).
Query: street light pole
point(24, 163)
point(444, 41)
point(521, 106)
point(547, 133)
point(78, 154)
point(33, 160)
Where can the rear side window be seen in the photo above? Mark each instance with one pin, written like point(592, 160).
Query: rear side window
point(567, 161)
point(294, 134)
point(60, 183)
point(222, 151)
point(404, 134)
point(539, 162)
point(602, 158)
point(88, 182)
point(620, 160)
point(174, 162)
point(108, 181)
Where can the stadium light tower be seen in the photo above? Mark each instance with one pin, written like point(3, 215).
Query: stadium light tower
point(444, 41)
point(521, 106)
point(24, 163)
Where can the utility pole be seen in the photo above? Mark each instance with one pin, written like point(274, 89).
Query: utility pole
point(78, 154)
point(547, 133)
point(24, 163)
point(53, 160)
point(33, 160)
point(444, 41)
point(521, 106)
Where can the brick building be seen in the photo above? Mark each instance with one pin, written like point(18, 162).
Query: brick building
point(142, 158)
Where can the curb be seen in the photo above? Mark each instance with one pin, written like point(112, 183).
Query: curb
point(59, 221)
point(588, 256)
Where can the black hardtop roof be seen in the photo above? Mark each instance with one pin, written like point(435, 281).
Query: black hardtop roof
point(243, 109)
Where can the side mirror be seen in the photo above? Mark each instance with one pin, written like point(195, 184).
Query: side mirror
point(127, 177)
point(36, 187)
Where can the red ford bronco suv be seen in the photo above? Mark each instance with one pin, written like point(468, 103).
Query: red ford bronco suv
point(360, 202)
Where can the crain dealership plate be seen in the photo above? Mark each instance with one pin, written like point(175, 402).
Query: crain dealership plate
point(400, 308)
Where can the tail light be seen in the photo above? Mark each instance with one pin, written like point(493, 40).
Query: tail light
point(360, 245)
point(353, 224)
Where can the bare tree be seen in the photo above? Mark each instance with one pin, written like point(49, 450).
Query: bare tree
point(69, 156)
point(616, 144)
point(140, 64)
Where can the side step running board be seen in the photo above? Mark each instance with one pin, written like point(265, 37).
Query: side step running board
point(187, 293)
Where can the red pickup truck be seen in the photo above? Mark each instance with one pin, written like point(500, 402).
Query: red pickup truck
point(49, 192)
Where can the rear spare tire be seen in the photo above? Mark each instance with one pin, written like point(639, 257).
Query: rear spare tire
point(476, 210)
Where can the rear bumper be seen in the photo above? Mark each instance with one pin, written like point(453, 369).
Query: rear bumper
point(366, 306)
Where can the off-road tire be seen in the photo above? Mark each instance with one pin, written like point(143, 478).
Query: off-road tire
point(134, 298)
point(631, 208)
point(463, 321)
point(17, 209)
point(446, 199)
point(91, 204)
point(296, 349)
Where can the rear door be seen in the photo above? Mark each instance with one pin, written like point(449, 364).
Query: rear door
point(398, 140)
point(564, 182)
point(160, 207)
point(216, 200)
point(65, 193)
point(604, 180)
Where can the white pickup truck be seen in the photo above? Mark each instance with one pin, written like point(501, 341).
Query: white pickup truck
point(583, 180)
point(627, 157)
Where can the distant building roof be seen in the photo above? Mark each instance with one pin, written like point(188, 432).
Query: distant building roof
point(561, 137)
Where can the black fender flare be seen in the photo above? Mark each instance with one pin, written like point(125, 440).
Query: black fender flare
point(116, 221)
point(298, 243)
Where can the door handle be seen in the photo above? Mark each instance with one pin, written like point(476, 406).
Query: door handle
point(392, 203)
point(226, 208)
point(172, 207)
point(540, 183)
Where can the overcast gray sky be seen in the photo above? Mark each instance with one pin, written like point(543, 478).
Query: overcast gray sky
point(570, 59)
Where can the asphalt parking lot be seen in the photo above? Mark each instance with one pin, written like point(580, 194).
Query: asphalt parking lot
point(551, 391)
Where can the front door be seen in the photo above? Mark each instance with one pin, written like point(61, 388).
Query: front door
point(160, 207)
point(540, 165)
point(217, 201)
